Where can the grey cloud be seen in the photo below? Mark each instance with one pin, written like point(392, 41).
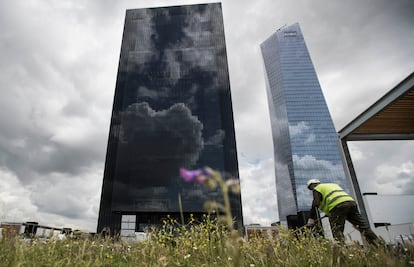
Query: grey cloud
point(397, 178)
point(161, 49)
point(68, 205)
point(143, 91)
point(257, 191)
point(48, 81)
point(298, 129)
point(75, 107)
point(73, 198)
point(178, 120)
point(383, 166)
point(217, 139)
point(32, 159)
point(140, 129)
point(360, 45)
point(310, 139)
point(302, 132)
point(323, 169)
point(409, 187)
point(15, 199)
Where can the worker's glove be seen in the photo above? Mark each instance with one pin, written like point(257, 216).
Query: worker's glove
point(311, 222)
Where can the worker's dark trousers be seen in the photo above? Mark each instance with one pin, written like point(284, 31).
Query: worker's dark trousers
point(349, 211)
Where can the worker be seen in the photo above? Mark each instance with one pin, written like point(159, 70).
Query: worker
point(339, 206)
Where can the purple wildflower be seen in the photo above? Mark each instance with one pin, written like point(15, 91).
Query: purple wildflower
point(197, 176)
point(189, 175)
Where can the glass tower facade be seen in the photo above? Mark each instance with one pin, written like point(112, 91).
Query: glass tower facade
point(172, 108)
point(305, 141)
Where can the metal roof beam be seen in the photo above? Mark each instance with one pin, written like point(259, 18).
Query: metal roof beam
point(378, 137)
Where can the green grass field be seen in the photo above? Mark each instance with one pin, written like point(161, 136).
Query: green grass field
point(199, 244)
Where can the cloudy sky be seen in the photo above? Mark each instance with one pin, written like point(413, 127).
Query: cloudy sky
point(58, 65)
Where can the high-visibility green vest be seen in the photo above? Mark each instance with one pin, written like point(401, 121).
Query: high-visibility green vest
point(332, 195)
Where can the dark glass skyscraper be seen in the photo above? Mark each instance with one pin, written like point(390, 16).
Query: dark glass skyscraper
point(305, 141)
point(172, 108)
